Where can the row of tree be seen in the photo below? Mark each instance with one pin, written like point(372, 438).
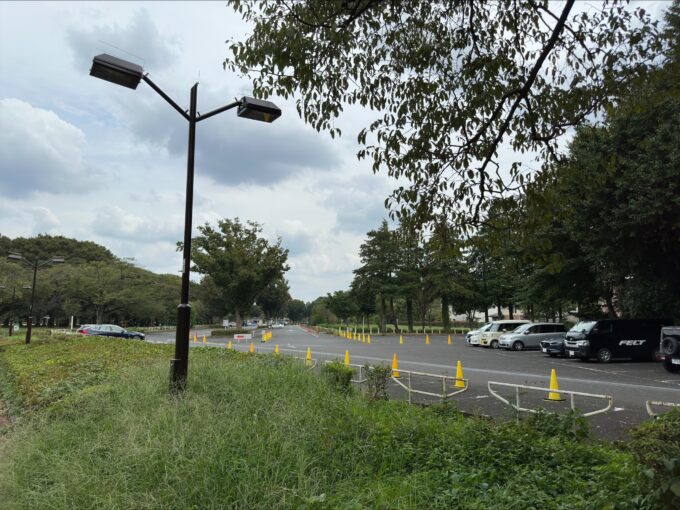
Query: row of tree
point(243, 275)
point(596, 232)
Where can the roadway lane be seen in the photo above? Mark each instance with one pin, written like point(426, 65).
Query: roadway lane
point(630, 383)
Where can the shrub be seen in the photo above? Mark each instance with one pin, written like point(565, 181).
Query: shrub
point(338, 375)
point(377, 378)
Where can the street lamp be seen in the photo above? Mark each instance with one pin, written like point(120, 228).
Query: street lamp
point(129, 75)
point(35, 265)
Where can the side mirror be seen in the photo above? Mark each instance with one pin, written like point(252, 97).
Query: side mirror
point(527, 332)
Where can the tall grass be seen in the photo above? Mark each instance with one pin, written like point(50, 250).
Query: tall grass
point(258, 432)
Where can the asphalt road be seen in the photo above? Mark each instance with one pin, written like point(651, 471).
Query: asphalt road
point(629, 383)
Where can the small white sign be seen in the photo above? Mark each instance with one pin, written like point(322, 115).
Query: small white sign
point(243, 336)
point(225, 323)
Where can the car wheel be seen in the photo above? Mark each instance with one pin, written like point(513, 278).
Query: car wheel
point(494, 344)
point(604, 355)
point(518, 346)
point(669, 345)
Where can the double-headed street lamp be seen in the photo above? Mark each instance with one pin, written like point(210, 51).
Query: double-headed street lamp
point(35, 265)
point(129, 75)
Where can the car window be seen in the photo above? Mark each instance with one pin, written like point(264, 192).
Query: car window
point(117, 329)
point(583, 327)
point(603, 327)
point(520, 328)
point(559, 328)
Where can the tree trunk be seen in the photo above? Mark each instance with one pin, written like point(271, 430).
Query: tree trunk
point(100, 313)
point(611, 312)
point(382, 314)
point(446, 320)
point(511, 311)
point(500, 312)
point(394, 316)
point(237, 317)
point(559, 312)
point(409, 314)
point(486, 314)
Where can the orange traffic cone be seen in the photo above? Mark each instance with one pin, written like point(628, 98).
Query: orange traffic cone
point(395, 366)
point(204, 340)
point(554, 394)
point(427, 339)
point(308, 359)
point(347, 358)
point(276, 350)
point(195, 338)
point(449, 340)
point(459, 375)
point(401, 339)
point(252, 347)
point(229, 345)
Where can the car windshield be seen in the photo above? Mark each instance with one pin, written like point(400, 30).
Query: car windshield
point(485, 327)
point(583, 327)
point(521, 328)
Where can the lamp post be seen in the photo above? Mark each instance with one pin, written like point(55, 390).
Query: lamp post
point(128, 74)
point(35, 265)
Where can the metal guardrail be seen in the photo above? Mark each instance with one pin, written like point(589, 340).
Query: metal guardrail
point(444, 378)
point(314, 361)
point(658, 403)
point(572, 394)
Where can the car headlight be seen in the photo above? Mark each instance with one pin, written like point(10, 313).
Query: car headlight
point(583, 343)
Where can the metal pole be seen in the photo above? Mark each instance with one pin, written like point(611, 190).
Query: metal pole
point(11, 318)
point(29, 326)
point(180, 363)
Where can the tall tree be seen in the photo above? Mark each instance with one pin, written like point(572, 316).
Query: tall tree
point(274, 299)
point(240, 262)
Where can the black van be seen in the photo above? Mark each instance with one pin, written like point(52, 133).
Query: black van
point(614, 338)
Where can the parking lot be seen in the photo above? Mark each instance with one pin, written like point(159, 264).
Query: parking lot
point(629, 383)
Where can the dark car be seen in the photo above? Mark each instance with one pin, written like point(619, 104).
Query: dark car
point(109, 330)
point(553, 347)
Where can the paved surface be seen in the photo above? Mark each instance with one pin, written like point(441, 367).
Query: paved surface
point(629, 383)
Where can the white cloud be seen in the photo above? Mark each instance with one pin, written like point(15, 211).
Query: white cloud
point(39, 151)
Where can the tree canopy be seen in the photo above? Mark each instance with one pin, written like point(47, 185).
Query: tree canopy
point(451, 83)
point(241, 263)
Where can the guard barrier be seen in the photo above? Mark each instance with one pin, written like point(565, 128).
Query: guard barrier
point(444, 378)
point(657, 403)
point(572, 394)
point(360, 369)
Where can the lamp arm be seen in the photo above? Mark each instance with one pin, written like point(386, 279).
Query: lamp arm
point(170, 101)
point(218, 110)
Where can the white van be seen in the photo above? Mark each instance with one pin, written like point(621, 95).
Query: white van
point(489, 338)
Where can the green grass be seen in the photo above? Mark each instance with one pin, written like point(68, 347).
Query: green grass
point(258, 432)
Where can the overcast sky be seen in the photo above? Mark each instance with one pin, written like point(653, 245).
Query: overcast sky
point(84, 158)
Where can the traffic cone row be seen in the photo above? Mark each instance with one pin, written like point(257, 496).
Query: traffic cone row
point(266, 336)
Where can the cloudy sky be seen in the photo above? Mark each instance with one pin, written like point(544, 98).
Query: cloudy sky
point(87, 159)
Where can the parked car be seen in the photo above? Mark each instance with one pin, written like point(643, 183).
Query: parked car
point(553, 347)
point(109, 330)
point(472, 338)
point(607, 339)
point(529, 336)
point(490, 337)
point(277, 325)
point(670, 348)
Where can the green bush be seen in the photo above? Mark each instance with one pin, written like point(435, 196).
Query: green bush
point(338, 375)
point(377, 378)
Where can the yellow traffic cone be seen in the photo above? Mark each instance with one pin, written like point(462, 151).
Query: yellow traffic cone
point(427, 339)
point(229, 345)
point(204, 340)
point(449, 340)
point(401, 339)
point(347, 358)
point(308, 359)
point(195, 338)
point(459, 375)
point(252, 347)
point(276, 349)
point(368, 340)
point(395, 366)
point(553, 394)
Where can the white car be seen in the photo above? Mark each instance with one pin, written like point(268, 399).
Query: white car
point(277, 325)
point(473, 337)
point(491, 336)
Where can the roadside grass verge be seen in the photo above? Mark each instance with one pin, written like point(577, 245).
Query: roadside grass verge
point(260, 432)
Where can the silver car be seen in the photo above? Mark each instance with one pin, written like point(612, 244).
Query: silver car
point(529, 336)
